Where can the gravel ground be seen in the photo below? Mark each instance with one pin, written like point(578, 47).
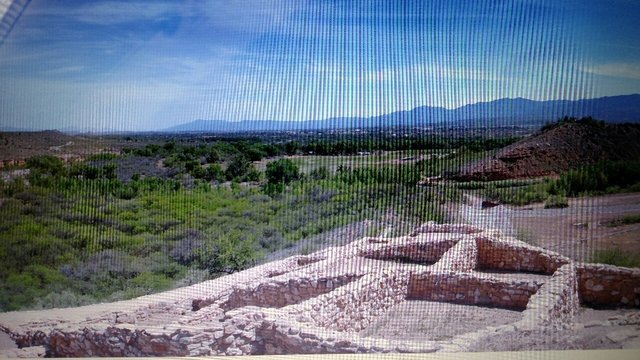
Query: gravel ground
point(573, 232)
point(427, 320)
point(592, 329)
point(6, 342)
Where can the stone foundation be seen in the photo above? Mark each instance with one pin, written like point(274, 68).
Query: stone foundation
point(516, 256)
point(321, 302)
point(608, 286)
point(352, 308)
point(470, 290)
point(282, 292)
point(420, 249)
point(556, 302)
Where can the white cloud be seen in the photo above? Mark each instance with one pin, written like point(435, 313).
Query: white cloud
point(619, 70)
point(111, 12)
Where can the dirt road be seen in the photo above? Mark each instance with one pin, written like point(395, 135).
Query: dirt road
point(575, 231)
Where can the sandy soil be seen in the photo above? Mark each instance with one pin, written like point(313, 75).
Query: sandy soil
point(592, 329)
point(427, 320)
point(582, 227)
point(574, 231)
point(6, 342)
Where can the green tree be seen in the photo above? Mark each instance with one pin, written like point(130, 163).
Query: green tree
point(291, 147)
point(282, 171)
point(214, 173)
point(238, 168)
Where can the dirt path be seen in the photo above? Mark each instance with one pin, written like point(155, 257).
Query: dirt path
point(498, 218)
point(592, 329)
point(575, 231)
point(6, 342)
point(581, 228)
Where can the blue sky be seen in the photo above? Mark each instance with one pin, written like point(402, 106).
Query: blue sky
point(144, 65)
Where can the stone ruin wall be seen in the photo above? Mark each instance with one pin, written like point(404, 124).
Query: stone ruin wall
point(418, 249)
point(278, 293)
point(608, 286)
point(462, 257)
point(470, 290)
point(516, 256)
point(555, 303)
point(353, 307)
point(293, 306)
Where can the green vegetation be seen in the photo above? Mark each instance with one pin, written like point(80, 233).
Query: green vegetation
point(120, 226)
point(597, 179)
point(603, 177)
point(556, 202)
point(626, 220)
point(617, 257)
point(588, 120)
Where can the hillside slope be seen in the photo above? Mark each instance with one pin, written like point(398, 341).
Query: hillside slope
point(19, 146)
point(556, 150)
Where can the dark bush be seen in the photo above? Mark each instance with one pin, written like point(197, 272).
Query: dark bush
point(46, 165)
point(238, 168)
point(282, 171)
point(186, 248)
point(107, 263)
point(320, 173)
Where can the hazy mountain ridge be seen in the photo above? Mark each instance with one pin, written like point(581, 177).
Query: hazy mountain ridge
point(615, 109)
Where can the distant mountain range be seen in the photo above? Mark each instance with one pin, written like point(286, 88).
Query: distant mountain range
point(518, 111)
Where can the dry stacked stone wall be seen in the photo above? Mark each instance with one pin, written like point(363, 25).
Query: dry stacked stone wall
point(608, 286)
point(471, 290)
point(515, 255)
point(319, 303)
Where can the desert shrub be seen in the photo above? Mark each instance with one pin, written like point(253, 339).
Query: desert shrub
point(320, 173)
point(626, 220)
point(125, 192)
point(271, 239)
point(253, 175)
point(46, 165)
point(187, 246)
point(148, 283)
point(102, 157)
point(615, 256)
point(107, 263)
point(291, 147)
point(238, 168)
point(18, 290)
point(193, 276)
point(406, 175)
point(600, 177)
point(519, 195)
point(62, 299)
point(232, 251)
point(282, 171)
point(556, 202)
point(471, 185)
point(319, 195)
point(214, 173)
point(14, 186)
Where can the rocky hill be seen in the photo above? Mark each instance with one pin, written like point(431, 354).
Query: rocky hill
point(556, 149)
